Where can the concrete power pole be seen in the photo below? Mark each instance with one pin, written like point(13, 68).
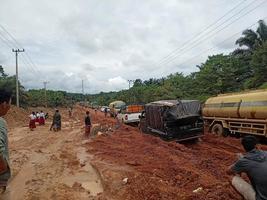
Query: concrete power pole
point(82, 88)
point(17, 74)
point(45, 83)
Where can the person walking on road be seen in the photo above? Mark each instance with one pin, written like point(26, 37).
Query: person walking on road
point(254, 164)
point(87, 122)
point(56, 124)
point(106, 112)
point(32, 125)
point(42, 118)
point(5, 172)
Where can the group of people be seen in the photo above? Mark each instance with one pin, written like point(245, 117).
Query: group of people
point(253, 163)
point(56, 123)
point(38, 117)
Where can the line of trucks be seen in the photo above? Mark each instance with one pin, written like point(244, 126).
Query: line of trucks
point(226, 114)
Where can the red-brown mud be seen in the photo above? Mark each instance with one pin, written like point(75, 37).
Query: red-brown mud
point(116, 164)
point(157, 169)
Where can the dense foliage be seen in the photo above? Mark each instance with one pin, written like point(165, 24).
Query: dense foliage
point(244, 68)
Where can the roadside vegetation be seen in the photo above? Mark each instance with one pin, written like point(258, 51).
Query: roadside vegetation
point(244, 68)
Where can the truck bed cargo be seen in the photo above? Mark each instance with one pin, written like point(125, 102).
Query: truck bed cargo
point(173, 119)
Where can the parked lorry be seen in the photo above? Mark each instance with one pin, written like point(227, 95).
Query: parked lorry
point(130, 114)
point(115, 107)
point(173, 119)
point(237, 113)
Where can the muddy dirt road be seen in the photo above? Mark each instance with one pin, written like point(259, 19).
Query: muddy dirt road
point(51, 165)
point(117, 164)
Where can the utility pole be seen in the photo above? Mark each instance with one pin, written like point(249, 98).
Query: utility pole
point(83, 93)
point(82, 88)
point(17, 74)
point(45, 83)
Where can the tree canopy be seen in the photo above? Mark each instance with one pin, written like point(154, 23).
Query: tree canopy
point(244, 68)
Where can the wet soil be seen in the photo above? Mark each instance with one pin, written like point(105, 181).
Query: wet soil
point(117, 162)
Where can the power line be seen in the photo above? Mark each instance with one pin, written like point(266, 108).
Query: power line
point(18, 45)
point(25, 59)
point(196, 43)
point(199, 36)
point(9, 44)
point(211, 31)
point(201, 32)
point(219, 43)
point(5, 40)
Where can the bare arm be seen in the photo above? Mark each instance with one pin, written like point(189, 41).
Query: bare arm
point(230, 170)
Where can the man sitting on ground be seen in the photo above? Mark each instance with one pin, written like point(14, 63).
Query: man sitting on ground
point(254, 164)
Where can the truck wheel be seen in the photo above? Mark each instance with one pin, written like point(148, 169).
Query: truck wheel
point(217, 129)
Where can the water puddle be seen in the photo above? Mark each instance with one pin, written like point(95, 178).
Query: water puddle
point(17, 186)
point(86, 176)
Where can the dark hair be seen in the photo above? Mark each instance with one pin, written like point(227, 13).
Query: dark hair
point(249, 142)
point(87, 112)
point(5, 95)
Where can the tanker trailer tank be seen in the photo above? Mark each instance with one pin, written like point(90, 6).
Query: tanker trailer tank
point(244, 113)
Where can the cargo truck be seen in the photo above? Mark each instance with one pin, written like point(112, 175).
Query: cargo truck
point(237, 113)
point(115, 107)
point(177, 120)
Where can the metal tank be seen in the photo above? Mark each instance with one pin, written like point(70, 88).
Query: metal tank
point(248, 105)
point(117, 104)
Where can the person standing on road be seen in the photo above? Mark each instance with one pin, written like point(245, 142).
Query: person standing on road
point(5, 172)
point(42, 118)
point(106, 111)
point(56, 124)
point(70, 112)
point(254, 164)
point(37, 117)
point(87, 122)
point(32, 125)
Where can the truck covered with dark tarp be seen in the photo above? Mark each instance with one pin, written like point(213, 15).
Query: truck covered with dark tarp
point(173, 119)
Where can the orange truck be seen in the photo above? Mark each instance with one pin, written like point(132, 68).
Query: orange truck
point(131, 114)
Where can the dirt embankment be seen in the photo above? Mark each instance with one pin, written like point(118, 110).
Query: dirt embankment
point(16, 117)
point(127, 164)
point(155, 169)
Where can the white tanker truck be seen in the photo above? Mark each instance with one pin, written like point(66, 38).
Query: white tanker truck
point(237, 113)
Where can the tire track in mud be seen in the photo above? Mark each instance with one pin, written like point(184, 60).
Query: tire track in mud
point(57, 167)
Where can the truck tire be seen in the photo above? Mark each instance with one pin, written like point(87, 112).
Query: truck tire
point(217, 129)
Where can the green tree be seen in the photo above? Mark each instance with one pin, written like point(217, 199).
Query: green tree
point(259, 66)
point(252, 39)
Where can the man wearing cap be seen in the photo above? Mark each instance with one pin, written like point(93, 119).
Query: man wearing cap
point(254, 165)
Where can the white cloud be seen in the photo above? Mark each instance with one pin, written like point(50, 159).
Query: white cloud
point(105, 43)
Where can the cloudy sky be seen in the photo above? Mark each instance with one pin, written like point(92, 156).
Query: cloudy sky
point(107, 42)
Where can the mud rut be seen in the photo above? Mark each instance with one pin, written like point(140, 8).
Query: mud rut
point(51, 165)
